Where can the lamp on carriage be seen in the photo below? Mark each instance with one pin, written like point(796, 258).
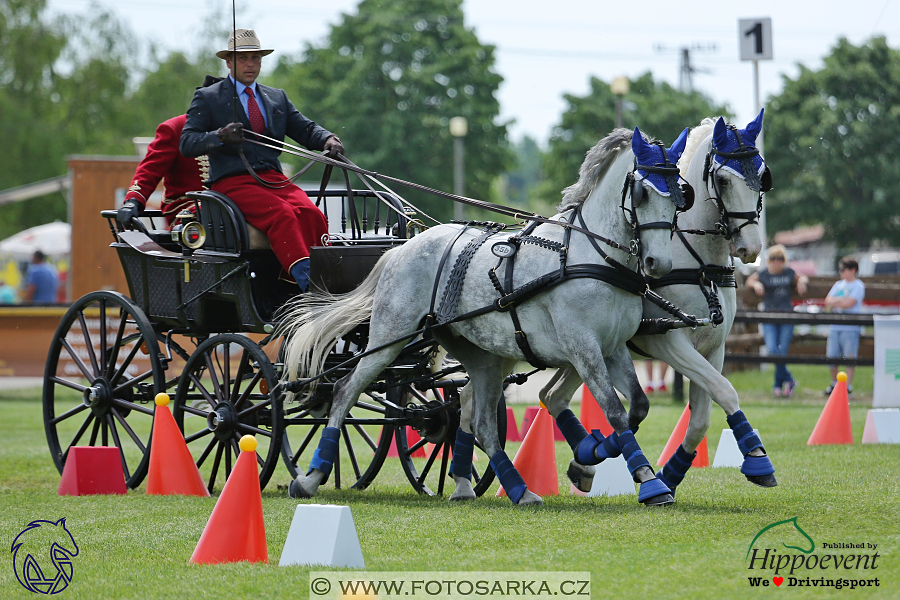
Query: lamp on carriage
point(459, 127)
point(619, 87)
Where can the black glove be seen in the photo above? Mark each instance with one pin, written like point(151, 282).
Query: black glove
point(233, 133)
point(333, 147)
point(128, 211)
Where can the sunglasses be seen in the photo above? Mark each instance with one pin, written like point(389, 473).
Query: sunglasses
point(778, 258)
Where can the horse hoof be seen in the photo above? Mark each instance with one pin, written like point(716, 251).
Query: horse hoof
point(296, 489)
point(766, 481)
point(661, 500)
point(581, 476)
point(530, 499)
point(461, 498)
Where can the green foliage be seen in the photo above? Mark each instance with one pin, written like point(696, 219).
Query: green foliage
point(660, 110)
point(833, 144)
point(389, 78)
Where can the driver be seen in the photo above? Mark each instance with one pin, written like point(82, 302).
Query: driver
point(215, 127)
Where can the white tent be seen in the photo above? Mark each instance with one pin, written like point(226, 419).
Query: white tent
point(53, 239)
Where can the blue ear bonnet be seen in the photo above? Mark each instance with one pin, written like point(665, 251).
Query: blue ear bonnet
point(735, 151)
point(656, 166)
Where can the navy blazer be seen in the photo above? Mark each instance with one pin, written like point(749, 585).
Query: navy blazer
point(212, 108)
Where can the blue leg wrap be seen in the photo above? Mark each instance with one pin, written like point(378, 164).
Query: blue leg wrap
point(571, 428)
point(509, 478)
point(324, 456)
point(676, 468)
point(747, 439)
point(461, 465)
point(757, 465)
point(585, 451)
point(651, 488)
point(632, 452)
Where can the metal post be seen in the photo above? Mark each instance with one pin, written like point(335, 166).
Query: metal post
point(757, 105)
point(459, 127)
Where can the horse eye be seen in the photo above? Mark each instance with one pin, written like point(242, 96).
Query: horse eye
point(723, 181)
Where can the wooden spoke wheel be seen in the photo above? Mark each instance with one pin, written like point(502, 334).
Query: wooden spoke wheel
point(366, 438)
point(102, 374)
point(226, 392)
point(426, 461)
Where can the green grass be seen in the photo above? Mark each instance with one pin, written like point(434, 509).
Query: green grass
point(139, 546)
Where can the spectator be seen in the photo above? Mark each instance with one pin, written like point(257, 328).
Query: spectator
point(7, 293)
point(846, 296)
point(658, 385)
point(774, 284)
point(41, 281)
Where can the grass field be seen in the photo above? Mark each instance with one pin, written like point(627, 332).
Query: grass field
point(138, 546)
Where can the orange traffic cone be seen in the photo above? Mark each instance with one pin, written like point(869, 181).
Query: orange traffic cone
point(833, 426)
point(536, 459)
point(172, 468)
point(702, 458)
point(236, 531)
point(531, 413)
point(592, 416)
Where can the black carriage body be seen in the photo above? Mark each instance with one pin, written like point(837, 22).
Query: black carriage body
point(234, 283)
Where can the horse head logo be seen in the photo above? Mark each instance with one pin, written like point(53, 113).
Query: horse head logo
point(787, 531)
point(36, 548)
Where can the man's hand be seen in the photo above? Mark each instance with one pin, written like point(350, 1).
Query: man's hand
point(233, 133)
point(333, 147)
point(129, 210)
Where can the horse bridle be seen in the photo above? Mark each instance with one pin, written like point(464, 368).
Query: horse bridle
point(758, 184)
point(682, 194)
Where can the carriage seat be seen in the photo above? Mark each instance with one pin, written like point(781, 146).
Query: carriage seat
point(226, 228)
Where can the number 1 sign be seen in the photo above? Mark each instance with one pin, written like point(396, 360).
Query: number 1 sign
point(755, 38)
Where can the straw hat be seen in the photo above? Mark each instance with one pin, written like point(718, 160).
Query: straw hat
point(246, 42)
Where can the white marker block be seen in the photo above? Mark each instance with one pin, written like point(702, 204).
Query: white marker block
point(882, 426)
point(612, 478)
point(322, 535)
point(727, 452)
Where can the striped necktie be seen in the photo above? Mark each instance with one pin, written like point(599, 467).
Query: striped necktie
point(256, 119)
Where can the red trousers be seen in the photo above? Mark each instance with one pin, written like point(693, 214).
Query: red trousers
point(287, 216)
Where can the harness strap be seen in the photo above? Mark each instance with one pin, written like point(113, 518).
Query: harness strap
point(458, 275)
point(437, 279)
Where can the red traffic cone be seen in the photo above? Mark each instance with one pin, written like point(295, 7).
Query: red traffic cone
point(536, 459)
point(512, 430)
point(833, 426)
point(235, 531)
point(592, 416)
point(531, 413)
point(172, 468)
point(92, 470)
point(702, 458)
point(412, 437)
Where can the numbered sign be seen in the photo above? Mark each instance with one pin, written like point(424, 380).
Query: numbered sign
point(755, 38)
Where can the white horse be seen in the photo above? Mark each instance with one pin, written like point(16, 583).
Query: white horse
point(721, 160)
point(614, 224)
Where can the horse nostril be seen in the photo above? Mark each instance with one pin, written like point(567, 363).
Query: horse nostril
point(649, 263)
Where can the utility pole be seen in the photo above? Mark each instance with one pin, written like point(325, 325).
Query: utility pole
point(686, 69)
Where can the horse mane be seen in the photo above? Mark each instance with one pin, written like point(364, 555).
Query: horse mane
point(697, 135)
point(596, 163)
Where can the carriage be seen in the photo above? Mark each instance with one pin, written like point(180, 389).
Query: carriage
point(201, 323)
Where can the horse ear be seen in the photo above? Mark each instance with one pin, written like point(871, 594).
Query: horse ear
point(61, 522)
point(720, 133)
point(640, 147)
point(753, 128)
point(678, 145)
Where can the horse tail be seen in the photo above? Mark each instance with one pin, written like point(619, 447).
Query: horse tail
point(315, 321)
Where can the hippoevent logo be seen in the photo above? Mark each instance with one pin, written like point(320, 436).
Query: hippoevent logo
point(784, 554)
point(42, 556)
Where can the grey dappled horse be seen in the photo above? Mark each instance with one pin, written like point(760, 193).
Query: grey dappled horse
point(578, 323)
point(722, 161)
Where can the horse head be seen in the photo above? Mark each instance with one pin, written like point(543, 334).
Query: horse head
point(655, 193)
point(778, 535)
point(735, 177)
point(38, 546)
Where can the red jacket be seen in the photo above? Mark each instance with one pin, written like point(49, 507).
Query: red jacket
point(164, 161)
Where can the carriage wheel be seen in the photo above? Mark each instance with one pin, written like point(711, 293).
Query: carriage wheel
point(365, 440)
point(427, 461)
point(226, 392)
point(103, 371)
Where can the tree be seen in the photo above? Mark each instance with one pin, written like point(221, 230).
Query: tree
point(833, 144)
point(659, 110)
point(389, 78)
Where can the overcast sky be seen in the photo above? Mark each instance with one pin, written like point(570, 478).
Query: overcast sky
point(547, 49)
